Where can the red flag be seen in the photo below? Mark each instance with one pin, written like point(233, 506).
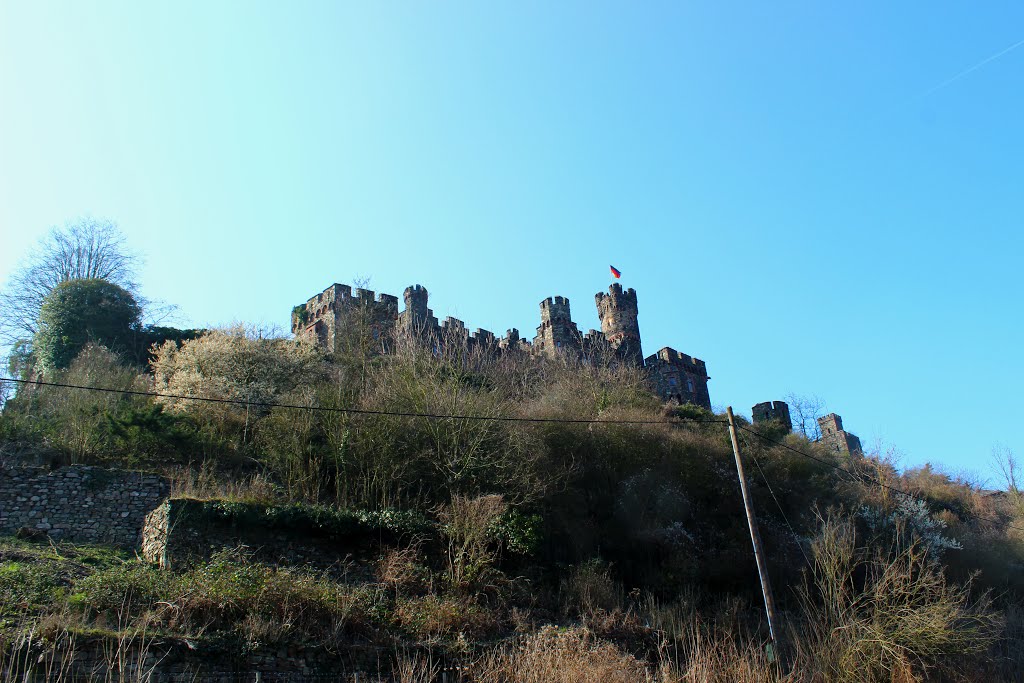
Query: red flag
point(615, 272)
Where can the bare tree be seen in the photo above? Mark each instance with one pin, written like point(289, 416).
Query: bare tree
point(1005, 463)
point(805, 411)
point(86, 248)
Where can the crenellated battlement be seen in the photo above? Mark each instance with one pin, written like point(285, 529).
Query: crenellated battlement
point(616, 298)
point(451, 323)
point(389, 302)
point(670, 356)
point(484, 338)
point(555, 308)
point(415, 296)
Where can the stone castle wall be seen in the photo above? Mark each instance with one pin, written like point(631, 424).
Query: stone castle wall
point(79, 503)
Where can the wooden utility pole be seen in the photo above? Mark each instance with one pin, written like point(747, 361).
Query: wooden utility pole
point(755, 538)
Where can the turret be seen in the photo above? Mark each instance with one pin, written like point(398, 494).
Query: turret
point(618, 312)
point(417, 319)
point(416, 301)
point(777, 411)
point(557, 332)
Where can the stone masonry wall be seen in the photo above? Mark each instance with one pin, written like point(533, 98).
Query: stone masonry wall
point(177, 535)
point(79, 503)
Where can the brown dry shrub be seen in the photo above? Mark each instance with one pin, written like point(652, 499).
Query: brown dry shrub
point(401, 569)
point(874, 616)
point(716, 656)
point(434, 618)
point(588, 589)
point(466, 524)
point(556, 656)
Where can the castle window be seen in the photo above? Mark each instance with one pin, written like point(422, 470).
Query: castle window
point(558, 344)
point(671, 381)
point(689, 385)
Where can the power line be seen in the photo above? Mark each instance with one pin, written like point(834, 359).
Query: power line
point(865, 478)
point(353, 411)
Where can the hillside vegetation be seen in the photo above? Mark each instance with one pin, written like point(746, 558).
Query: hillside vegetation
point(590, 533)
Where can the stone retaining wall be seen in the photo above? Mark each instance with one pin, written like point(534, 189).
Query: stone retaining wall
point(79, 503)
point(173, 537)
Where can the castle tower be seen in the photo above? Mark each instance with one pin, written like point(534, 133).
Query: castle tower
point(835, 437)
point(618, 312)
point(557, 332)
point(773, 410)
point(417, 318)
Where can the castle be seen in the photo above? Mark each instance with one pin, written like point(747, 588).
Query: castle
point(673, 375)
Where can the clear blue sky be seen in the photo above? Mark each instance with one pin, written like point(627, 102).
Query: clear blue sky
point(812, 197)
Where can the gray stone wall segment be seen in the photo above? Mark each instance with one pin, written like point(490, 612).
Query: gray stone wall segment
point(79, 503)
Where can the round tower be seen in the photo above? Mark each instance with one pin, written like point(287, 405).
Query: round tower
point(618, 312)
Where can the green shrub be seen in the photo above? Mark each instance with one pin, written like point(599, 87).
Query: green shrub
point(126, 588)
point(310, 520)
point(233, 592)
point(28, 585)
point(79, 312)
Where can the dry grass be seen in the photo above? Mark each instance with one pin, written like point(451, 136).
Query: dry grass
point(561, 656)
point(207, 484)
point(415, 669)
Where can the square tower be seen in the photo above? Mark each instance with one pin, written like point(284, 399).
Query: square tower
point(835, 437)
